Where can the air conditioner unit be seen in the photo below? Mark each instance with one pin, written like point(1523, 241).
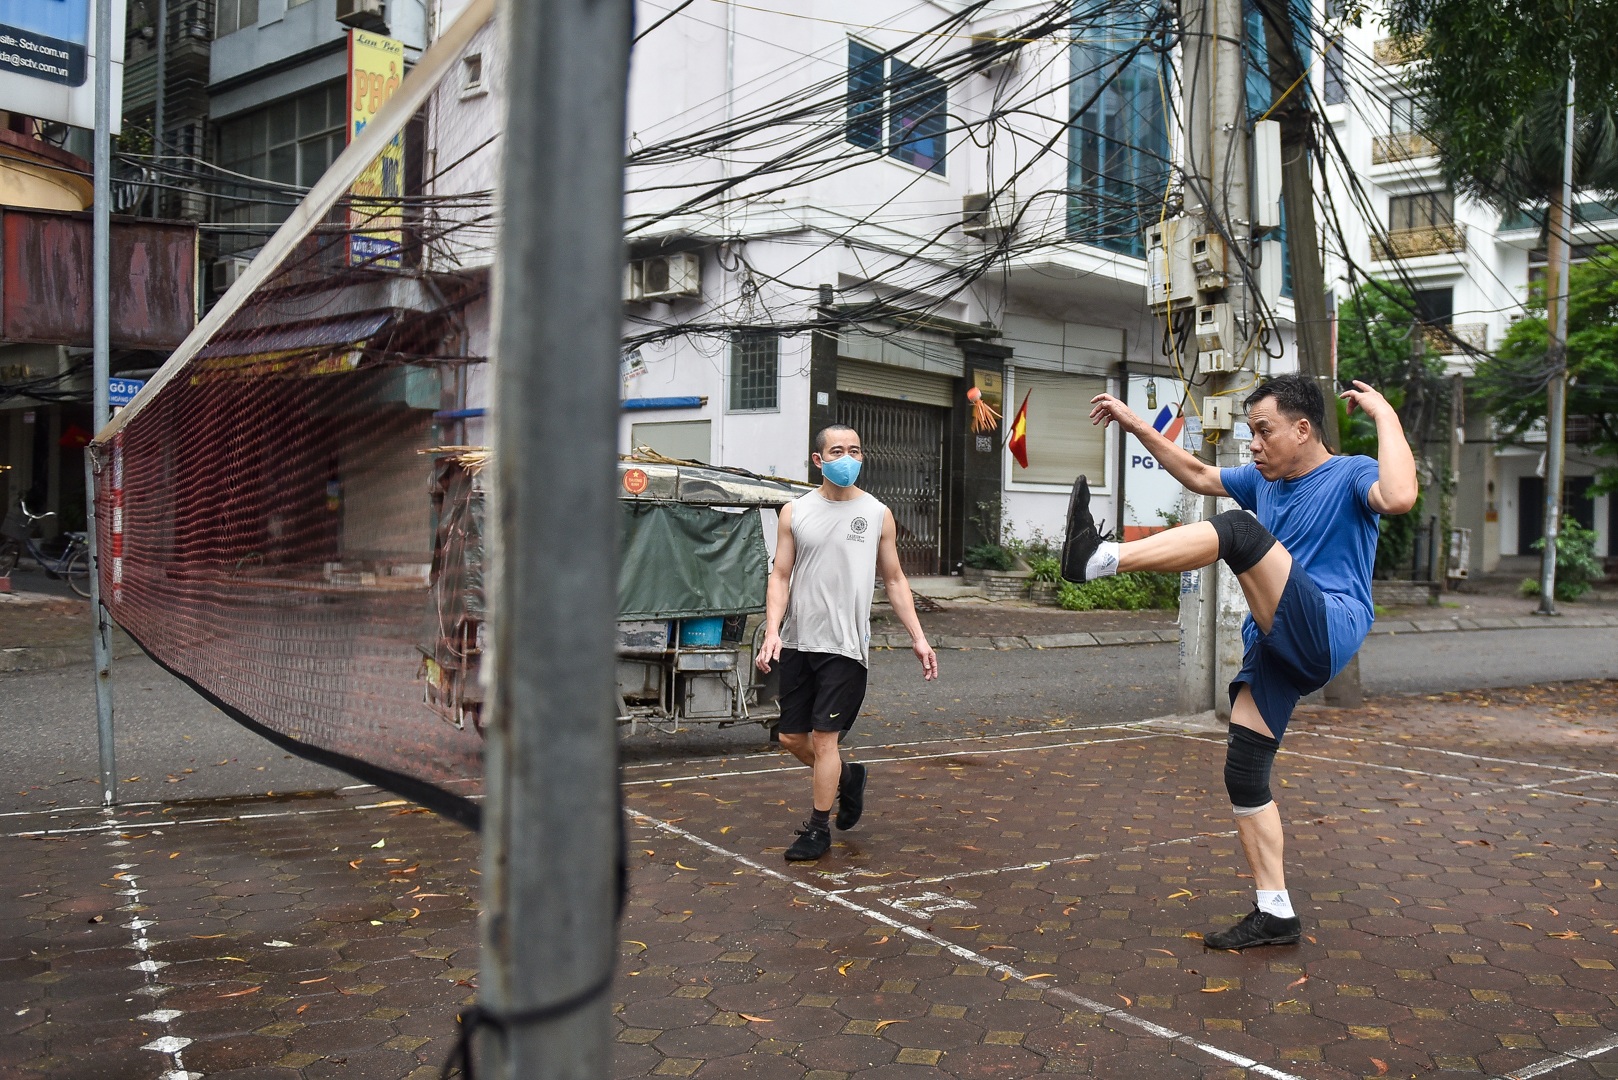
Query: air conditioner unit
point(225, 272)
point(363, 14)
point(994, 49)
point(988, 215)
point(633, 289)
point(666, 277)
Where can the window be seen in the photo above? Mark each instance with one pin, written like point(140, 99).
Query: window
point(755, 370)
point(1435, 307)
point(234, 15)
point(289, 142)
point(1062, 443)
point(1427, 210)
point(1336, 82)
point(911, 104)
point(1118, 148)
point(472, 75)
point(1407, 114)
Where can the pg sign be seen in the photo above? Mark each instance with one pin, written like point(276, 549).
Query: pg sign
point(47, 59)
point(376, 212)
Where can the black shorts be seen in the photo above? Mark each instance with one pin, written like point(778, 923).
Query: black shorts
point(819, 692)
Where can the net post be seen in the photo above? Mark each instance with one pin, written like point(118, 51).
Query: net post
point(101, 288)
point(552, 824)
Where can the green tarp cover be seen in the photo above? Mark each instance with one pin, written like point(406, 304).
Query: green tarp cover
point(682, 562)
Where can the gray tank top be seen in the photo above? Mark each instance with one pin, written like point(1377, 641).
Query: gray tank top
point(833, 575)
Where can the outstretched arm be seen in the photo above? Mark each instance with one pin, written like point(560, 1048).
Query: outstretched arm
point(898, 588)
point(1194, 474)
point(1396, 486)
point(775, 597)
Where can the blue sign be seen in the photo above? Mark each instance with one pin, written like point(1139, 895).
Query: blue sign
point(46, 39)
point(121, 392)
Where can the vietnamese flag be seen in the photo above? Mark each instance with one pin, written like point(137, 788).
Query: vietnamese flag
point(1018, 442)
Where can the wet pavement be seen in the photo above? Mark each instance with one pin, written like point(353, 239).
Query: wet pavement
point(1014, 903)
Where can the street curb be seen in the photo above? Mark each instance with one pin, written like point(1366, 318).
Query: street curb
point(1110, 638)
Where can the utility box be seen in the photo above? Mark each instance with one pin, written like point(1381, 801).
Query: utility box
point(1171, 283)
point(1215, 362)
point(1266, 175)
point(1216, 414)
point(1216, 329)
point(1269, 271)
point(1208, 261)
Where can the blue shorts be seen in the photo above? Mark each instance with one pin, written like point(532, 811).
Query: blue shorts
point(1293, 659)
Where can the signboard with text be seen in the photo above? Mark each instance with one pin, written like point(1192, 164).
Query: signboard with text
point(47, 59)
point(376, 214)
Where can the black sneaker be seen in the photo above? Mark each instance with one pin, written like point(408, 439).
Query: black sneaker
point(851, 797)
point(810, 845)
point(1082, 535)
point(1259, 928)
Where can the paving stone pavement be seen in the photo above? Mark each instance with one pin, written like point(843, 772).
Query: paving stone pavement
point(1011, 906)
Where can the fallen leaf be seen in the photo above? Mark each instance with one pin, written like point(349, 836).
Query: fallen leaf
point(1126, 1001)
point(300, 1008)
point(1298, 981)
point(1524, 925)
point(381, 843)
point(842, 969)
point(1552, 910)
point(1041, 975)
point(1193, 934)
point(756, 1019)
point(242, 993)
point(1165, 952)
point(883, 940)
point(97, 918)
point(722, 832)
point(682, 865)
point(1214, 989)
point(277, 943)
point(1565, 935)
point(207, 937)
point(174, 855)
point(1381, 1066)
point(237, 959)
point(355, 865)
point(1182, 893)
point(642, 944)
point(974, 926)
point(880, 1024)
point(415, 911)
point(308, 982)
point(1597, 885)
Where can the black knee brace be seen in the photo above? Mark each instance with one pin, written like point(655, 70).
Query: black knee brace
point(1242, 540)
point(1248, 757)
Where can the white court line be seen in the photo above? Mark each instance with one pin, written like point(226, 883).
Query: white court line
point(961, 951)
point(1065, 860)
point(160, 824)
point(1581, 773)
point(666, 780)
point(1557, 1061)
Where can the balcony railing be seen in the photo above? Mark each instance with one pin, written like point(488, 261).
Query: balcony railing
point(1393, 51)
point(1471, 335)
point(1414, 243)
point(1401, 146)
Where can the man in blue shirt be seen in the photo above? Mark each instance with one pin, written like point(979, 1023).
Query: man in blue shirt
point(1302, 547)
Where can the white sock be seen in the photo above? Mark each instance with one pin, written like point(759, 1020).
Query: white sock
point(1104, 563)
point(1276, 902)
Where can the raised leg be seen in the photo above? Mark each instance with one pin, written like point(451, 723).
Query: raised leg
point(1194, 546)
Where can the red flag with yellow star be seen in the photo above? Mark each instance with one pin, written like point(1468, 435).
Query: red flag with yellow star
point(1018, 442)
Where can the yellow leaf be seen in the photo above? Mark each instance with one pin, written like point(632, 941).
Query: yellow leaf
point(238, 959)
point(1041, 975)
point(682, 865)
point(722, 832)
point(1524, 925)
point(842, 969)
point(642, 944)
point(1565, 935)
point(174, 855)
point(756, 1019)
point(1182, 893)
point(880, 1024)
point(243, 993)
point(380, 843)
point(1214, 989)
point(206, 937)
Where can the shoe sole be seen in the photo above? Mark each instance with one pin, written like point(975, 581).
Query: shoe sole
point(806, 858)
point(1293, 940)
point(1079, 522)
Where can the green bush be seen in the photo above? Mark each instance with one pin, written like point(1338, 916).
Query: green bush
point(989, 557)
point(1045, 567)
point(1136, 591)
point(1577, 565)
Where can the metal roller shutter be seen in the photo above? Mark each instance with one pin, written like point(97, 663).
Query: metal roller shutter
point(895, 383)
point(1062, 442)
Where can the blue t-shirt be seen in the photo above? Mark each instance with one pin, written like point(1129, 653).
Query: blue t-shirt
point(1324, 519)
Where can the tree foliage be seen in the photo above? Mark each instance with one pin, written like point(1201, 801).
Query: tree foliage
point(1493, 86)
point(1511, 384)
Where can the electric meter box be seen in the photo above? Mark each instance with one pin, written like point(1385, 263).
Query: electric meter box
point(1171, 283)
point(1217, 362)
point(1208, 262)
point(1216, 328)
point(1216, 414)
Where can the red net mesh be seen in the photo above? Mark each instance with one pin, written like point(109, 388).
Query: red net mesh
point(282, 523)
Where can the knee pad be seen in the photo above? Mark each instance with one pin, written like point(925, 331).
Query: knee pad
point(1242, 540)
point(1248, 758)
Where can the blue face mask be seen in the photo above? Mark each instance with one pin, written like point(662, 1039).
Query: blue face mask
point(841, 471)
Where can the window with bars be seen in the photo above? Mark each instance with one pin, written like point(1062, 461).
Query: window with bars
point(755, 372)
point(290, 142)
point(1425, 210)
point(903, 107)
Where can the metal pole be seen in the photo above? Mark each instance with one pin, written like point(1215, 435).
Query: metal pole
point(552, 825)
point(1560, 243)
point(159, 117)
point(101, 288)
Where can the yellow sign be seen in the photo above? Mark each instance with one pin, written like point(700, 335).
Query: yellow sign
point(376, 211)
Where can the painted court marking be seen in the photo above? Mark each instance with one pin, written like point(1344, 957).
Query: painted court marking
point(1101, 1008)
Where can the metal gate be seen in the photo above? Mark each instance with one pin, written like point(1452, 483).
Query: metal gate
point(904, 467)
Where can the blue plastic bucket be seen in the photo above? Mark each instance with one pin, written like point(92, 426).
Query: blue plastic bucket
point(701, 631)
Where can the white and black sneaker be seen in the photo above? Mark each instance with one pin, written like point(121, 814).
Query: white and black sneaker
point(1083, 538)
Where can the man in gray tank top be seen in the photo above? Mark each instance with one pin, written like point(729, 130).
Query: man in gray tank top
point(832, 544)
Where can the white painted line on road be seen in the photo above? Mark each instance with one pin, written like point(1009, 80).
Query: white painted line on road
point(160, 824)
point(1580, 773)
point(1101, 1008)
point(1557, 1061)
point(667, 780)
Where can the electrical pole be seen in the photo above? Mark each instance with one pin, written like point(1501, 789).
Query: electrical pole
point(552, 825)
point(101, 368)
point(1559, 252)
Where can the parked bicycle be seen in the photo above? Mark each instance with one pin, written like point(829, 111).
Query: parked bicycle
point(17, 535)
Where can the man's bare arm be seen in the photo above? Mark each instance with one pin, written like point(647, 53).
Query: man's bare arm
point(1397, 487)
point(780, 587)
point(1193, 473)
point(900, 597)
